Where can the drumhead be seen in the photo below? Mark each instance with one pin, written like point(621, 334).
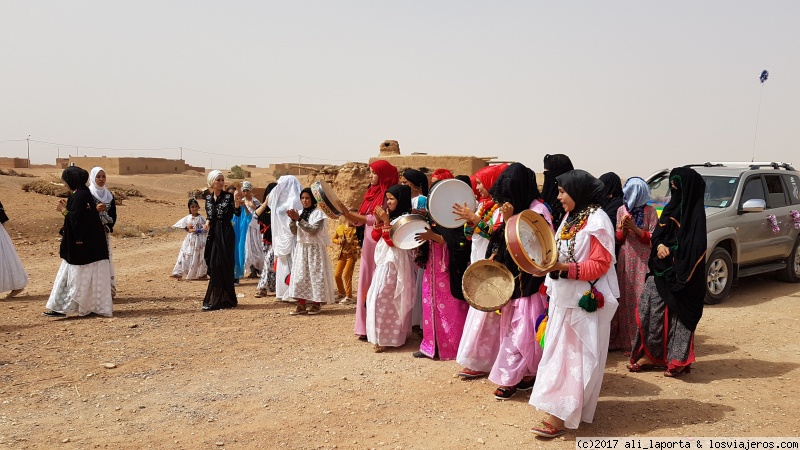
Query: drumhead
point(488, 285)
point(404, 231)
point(442, 197)
point(326, 198)
point(530, 241)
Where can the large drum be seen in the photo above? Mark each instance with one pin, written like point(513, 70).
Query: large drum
point(327, 200)
point(531, 241)
point(488, 285)
point(442, 197)
point(404, 231)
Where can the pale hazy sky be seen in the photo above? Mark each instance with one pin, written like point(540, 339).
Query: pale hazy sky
point(629, 86)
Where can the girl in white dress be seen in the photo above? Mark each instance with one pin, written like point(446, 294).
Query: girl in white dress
point(12, 274)
point(312, 277)
point(191, 264)
point(253, 246)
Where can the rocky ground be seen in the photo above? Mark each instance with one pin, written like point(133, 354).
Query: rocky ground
point(163, 374)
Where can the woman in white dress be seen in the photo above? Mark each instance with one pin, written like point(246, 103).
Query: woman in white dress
point(13, 277)
point(390, 298)
point(191, 264)
point(81, 285)
point(253, 246)
point(284, 197)
point(312, 277)
point(107, 208)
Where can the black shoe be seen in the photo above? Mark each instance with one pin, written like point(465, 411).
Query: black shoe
point(419, 354)
point(50, 313)
point(236, 282)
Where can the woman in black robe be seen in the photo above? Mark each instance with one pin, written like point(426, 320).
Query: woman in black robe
point(82, 282)
point(220, 208)
point(672, 300)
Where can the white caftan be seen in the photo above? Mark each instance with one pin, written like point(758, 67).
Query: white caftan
point(576, 341)
point(312, 277)
point(285, 196)
point(253, 244)
point(191, 264)
point(12, 273)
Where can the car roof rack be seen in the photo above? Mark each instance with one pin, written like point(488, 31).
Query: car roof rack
point(753, 164)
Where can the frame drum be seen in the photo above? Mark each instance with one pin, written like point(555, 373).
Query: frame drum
point(326, 198)
point(404, 231)
point(488, 285)
point(531, 241)
point(442, 197)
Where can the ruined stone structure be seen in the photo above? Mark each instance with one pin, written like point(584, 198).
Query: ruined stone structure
point(14, 163)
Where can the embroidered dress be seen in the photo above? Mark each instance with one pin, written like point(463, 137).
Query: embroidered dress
point(443, 315)
point(312, 278)
point(12, 273)
point(366, 273)
point(390, 297)
point(576, 341)
point(480, 341)
point(191, 264)
point(631, 271)
point(219, 251)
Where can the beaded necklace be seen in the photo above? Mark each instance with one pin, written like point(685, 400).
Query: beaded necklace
point(570, 230)
point(485, 224)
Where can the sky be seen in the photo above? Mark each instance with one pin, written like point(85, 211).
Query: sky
point(624, 86)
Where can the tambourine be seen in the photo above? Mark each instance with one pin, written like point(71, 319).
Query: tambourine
point(326, 198)
point(531, 241)
point(488, 285)
point(404, 231)
point(442, 197)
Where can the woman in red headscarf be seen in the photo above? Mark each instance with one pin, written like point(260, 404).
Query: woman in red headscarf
point(480, 341)
point(383, 175)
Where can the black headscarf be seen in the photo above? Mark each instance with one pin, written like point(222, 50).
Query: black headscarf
point(464, 179)
point(554, 166)
point(584, 189)
point(516, 185)
point(612, 195)
point(680, 277)
point(418, 179)
point(307, 211)
point(191, 202)
point(75, 177)
point(265, 218)
point(403, 195)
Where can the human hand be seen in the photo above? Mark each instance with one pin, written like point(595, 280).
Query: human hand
point(62, 203)
point(427, 235)
point(465, 213)
point(663, 251)
point(101, 207)
point(507, 210)
point(293, 214)
point(381, 214)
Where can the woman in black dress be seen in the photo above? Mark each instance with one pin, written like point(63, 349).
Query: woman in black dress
point(221, 206)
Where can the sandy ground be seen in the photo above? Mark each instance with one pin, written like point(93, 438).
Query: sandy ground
point(255, 377)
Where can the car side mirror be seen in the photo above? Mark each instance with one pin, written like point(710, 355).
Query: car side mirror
point(754, 205)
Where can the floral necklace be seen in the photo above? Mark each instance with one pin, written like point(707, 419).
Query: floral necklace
point(571, 229)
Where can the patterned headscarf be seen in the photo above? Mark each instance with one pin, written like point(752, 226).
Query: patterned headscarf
point(636, 194)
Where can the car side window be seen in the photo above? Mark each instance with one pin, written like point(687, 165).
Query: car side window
point(776, 195)
point(793, 185)
point(753, 189)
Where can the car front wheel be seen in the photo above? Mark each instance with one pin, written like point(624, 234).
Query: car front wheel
point(792, 271)
point(718, 276)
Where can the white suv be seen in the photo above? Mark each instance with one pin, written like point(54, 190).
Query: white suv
point(752, 220)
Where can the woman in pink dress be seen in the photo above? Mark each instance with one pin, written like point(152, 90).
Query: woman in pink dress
point(519, 354)
point(382, 176)
point(583, 291)
point(480, 341)
point(444, 309)
point(636, 221)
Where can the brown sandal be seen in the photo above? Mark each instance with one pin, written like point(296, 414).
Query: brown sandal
point(678, 371)
point(546, 430)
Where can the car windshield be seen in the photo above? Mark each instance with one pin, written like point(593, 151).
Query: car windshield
point(719, 191)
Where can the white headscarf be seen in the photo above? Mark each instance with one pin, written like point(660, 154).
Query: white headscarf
point(284, 197)
point(100, 193)
point(212, 176)
point(247, 186)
